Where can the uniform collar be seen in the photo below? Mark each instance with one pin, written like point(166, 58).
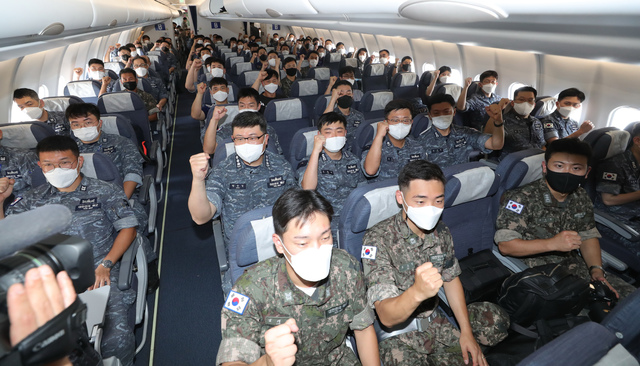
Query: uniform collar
point(290, 295)
point(410, 238)
point(266, 162)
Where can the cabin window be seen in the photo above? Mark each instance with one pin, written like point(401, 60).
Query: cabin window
point(43, 91)
point(427, 67)
point(623, 116)
point(456, 76)
point(513, 87)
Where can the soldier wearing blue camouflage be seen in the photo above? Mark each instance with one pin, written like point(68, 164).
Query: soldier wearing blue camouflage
point(33, 107)
point(560, 124)
point(297, 308)
point(341, 102)
point(551, 220)
point(332, 170)
point(407, 258)
point(17, 164)
point(618, 187)
point(392, 146)
point(447, 144)
point(101, 213)
point(248, 179)
point(475, 107)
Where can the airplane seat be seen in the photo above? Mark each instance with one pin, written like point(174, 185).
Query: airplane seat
point(449, 88)
point(247, 78)
point(307, 91)
point(25, 135)
point(237, 70)
point(404, 85)
point(421, 123)
point(96, 165)
point(231, 61)
point(374, 78)
point(60, 104)
point(228, 55)
point(373, 103)
point(287, 116)
point(364, 135)
point(321, 104)
point(332, 60)
point(87, 90)
point(606, 143)
point(423, 85)
point(623, 321)
point(226, 148)
point(474, 88)
point(301, 147)
point(353, 62)
point(112, 74)
point(113, 66)
point(545, 105)
point(322, 75)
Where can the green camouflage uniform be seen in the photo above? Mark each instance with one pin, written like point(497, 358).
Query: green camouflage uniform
point(270, 298)
point(531, 212)
point(389, 266)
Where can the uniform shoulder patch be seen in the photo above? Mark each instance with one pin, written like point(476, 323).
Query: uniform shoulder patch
point(514, 206)
point(236, 302)
point(548, 125)
point(610, 176)
point(368, 252)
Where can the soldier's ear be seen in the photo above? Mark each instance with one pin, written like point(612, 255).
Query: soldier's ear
point(588, 170)
point(399, 197)
point(544, 167)
point(278, 243)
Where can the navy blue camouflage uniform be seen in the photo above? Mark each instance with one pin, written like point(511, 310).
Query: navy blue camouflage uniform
point(18, 164)
point(475, 115)
point(354, 119)
point(521, 133)
point(454, 148)
point(59, 123)
point(556, 126)
point(392, 158)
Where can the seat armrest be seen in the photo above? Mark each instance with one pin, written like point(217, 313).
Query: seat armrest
point(221, 250)
point(616, 225)
point(490, 163)
point(127, 265)
point(609, 260)
point(515, 265)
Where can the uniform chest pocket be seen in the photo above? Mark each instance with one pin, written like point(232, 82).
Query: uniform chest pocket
point(405, 275)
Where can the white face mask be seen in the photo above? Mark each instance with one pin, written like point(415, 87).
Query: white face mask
point(330, 47)
point(96, 75)
point(220, 96)
point(523, 108)
point(142, 71)
point(426, 217)
point(248, 110)
point(444, 79)
point(566, 111)
point(272, 62)
point(33, 112)
point(207, 44)
point(362, 58)
point(299, 46)
point(313, 63)
point(311, 48)
point(87, 133)
point(442, 122)
point(342, 51)
point(240, 46)
point(322, 54)
point(205, 57)
point(335, 144)
point(249, 152)
point(61, 178)
point(134, 54)
point(383, 60)
point(271, 87)
point(216, 72)
point(312, 264)
point(352, 81)
point(399, 131)
point(285, 52)
point(489, 88)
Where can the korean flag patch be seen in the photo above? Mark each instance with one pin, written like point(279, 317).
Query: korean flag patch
point(610, 176)
point(515, 207)
point(548, 125)
point(236, 302)
point(368, 252)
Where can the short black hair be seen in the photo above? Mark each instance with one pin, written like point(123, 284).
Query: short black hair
point(571, 146)
point(444, 69)
point(130, 45)
point(138, 58)
point(440, 98)
point(525, 89)
point(339, 44)
point(384, 50)
point(406, 58)
point(57, 143)
point(419, 169)
point(635, 130)
point(287, 60)
point(272, 51)
point(25, 92)
point(218, 81)
point(572, 92)
point(249, 93)
point(316, 52)
point(95, 61)
point(487, 74)
point(270, 73)
point(331, 118)
point(341, 82)
point(203, 49)
point(346, 69)
point(398, 104)
point(213, 59)
point(124, 48)
point(248, 120)
point(300, 204)
point(81, 110)
point(128, 70)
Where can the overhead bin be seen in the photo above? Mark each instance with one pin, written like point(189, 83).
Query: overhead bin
point(283, 7)
point(109, 13)
point(72, 14)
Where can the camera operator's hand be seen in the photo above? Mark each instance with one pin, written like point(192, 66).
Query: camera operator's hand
point(40, 299)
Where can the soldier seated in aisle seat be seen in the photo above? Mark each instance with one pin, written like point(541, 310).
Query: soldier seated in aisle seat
point(341, 102)
point(219, 89)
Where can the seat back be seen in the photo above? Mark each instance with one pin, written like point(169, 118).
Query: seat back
point(364, 136)
point(307, 90)
point(374, 78)
point(247, 78)
point(605, 143)
point(516, 170)
point(118, 124)
point(452, 89)
point(373, 103)
point(25, 135)
point(322, 74)
point(251, 241)
point(423, 85)
point(320, 105)
point(60, 104)
point(332, 60)
point(404, 85)
point(226, 148)
point(421, 123)
point(96, 165)
point(287, 116)
point(353, 62)
point(232, 61)
point(131, 106)
point(114, 66)
point(302, 146)
point(474, 88)
point(87, 90)
point(544, 107)
point(237, 70)
point(228, 55)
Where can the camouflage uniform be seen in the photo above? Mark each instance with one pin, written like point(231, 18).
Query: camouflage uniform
point(159, 90)
point(100, 209)
point(521, 133)
point(18, 164)
point(475, 115)
point(59, 123)
point(149, 101)
point(392, 159)
point(391, 271)
point(236, 188)
point(285, 86)
point(556, 126)
point(354, 119)
point(531, 212)
point(454, 148)
point(337, 305)
point(336, 180)
point(616, 175)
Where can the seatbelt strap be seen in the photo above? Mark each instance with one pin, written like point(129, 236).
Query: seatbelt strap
point(419, 324)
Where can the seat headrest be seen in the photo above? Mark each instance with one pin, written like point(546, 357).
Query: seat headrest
point(408, 79)
point(380, 100)
point(469, 182)
point(251, 76)
point(544, 107)
point(252, 236)
point(520, 168)
point(335, 57)
point(235, 60)
point(353, 62)
point(321, 73)
point(288, 109)
point(124, 101)
point(607, 142)
point(58, 104)
point(243, 66)
point(83, 89)
point(452, 89)
point(378, 204)
point(376, 69)
point(25, 135)
point(307, 87)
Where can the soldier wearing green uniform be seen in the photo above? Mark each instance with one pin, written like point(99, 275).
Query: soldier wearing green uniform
point(297, 307)
point(551, 220)
point(407, 258)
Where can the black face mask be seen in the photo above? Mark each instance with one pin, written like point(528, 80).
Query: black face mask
point(564, 182)
point(165, 49)
point(292, 71)
point(406, 67)
point(345, 101)
point(126, 58)
point(130, 85)
point(263, 58)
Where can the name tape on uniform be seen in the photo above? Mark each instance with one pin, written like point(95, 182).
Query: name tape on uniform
point(236, 302)
point(368, 252)
point(515, 207)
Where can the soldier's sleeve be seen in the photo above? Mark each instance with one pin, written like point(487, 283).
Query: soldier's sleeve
point(587, 224)
point(288, 175)
point(364, 314)
point(609, 177)
point(300, 173)
point(549, 128)
point(451, 267)
point(215, 186)
point(377, 268)
point(512, 221)
point(241, 326)
point(132, 162)
point(162, 90)
point(364, 157)
point(117, 208)
point(19, 204)
point(274, 136)
point(472, 105)
point(478, 140)
point(537, 132)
